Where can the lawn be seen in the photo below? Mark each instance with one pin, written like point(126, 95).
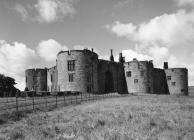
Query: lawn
point(149, 117)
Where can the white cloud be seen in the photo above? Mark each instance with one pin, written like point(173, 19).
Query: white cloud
point(22, 11)
point(123, 30)
point(168, 29)
point(131, 54)
point(48, 49)
point(52, 10)
point(159, 53)
point(15, 58)
point(46, 11)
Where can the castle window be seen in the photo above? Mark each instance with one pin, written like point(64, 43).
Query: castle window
point(173, 83)
point(149, 89)
point(71, 65)
point(142, 73)
point(182, 90)
point(135, 81)
point(168, 77)
point(89, 89)
point(89, 78)
point(34, 78)
point(51, 78)
point(128, 73)
point(71, 78)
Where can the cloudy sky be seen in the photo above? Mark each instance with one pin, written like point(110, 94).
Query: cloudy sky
point(33, 31)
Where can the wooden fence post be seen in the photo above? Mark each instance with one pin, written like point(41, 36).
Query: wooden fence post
point(81, 96)
point(64, 97)
point(46, 100)
point(33, 99)
point(16, 102)
point(71, 99)
point(76, 98)
point(56, 99)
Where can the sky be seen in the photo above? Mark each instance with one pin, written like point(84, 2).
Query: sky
point(32, 32)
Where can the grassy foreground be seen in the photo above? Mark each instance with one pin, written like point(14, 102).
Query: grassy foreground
point(148, 117)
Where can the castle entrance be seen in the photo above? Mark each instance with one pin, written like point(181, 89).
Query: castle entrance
point(109, 83)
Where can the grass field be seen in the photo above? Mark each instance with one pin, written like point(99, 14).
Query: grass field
point(149, 117)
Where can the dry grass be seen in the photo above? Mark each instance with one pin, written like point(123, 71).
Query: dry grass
point(126, 118)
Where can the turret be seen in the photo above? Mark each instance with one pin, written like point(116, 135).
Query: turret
point(111, 56)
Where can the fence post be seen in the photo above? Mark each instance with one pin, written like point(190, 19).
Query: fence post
point(56, 99)
point(81, 96)
point(25, 98)
point(16, 102)
point(71, 99)
point(76, 97)
point(33, 99)
point(64, 98)
point(46, 100)
point(7, 97)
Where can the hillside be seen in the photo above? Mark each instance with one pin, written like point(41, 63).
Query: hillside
point(148, 117)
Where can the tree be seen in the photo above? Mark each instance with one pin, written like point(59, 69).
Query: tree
point(7, 86)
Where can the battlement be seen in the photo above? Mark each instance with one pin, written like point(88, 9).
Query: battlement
point(85, 51)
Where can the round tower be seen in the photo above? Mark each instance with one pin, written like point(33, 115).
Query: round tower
point(36, 79)
point(177, 79)
point(77, 70)
point(139, 76)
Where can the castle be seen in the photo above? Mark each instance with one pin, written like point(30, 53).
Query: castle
point(82, 71)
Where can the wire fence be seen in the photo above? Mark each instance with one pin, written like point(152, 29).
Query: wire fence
point(30, 101)
point(45, 100)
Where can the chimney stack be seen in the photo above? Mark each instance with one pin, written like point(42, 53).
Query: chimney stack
point(111, 56)
point(121, 58)
point(165, 65)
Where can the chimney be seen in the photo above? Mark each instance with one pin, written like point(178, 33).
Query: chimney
point(111, 56)
point(92, 50)
point(165, 65)
point(121, 58)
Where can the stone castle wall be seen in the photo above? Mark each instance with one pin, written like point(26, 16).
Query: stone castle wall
point(177, 79)
point(139, 76)
point(110, 77)
point(36, 79)
point(85, 67)
point(160, 85)
point(52, 79)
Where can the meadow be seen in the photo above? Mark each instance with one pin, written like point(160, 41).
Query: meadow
point(146, 117)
